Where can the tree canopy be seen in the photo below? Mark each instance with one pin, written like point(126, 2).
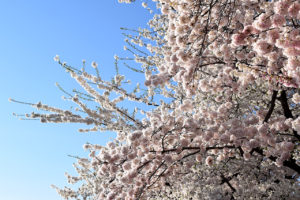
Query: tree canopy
point(216, 118)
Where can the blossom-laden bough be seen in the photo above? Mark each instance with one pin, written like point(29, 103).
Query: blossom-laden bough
point(228, 126)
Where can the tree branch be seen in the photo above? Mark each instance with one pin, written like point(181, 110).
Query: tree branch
point(286, 110)
point(291, 163)
point(272, 106)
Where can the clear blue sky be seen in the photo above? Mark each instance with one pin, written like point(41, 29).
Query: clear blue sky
point(33, 155)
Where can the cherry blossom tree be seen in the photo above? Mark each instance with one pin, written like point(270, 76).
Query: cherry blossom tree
point(220, 107)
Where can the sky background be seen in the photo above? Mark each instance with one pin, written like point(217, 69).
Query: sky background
point(34, 155)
